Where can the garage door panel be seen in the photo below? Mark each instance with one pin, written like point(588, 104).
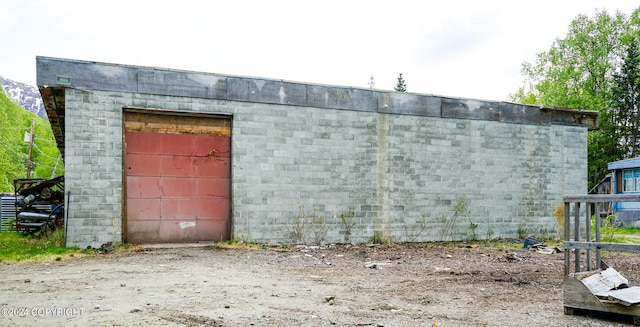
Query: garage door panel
point(133, 187)
point(174, 187)
point(178, 187)
point(142, 164)
point(143, 231)
point(213, 209)
point(178, 231)
point(213, 229)
point(180, 166)
point(223, 145)
point(213, 187)
point(142, 142)
point(143, 187)
point(143, 209)
point(179, 209)
point(178, 144)
point(212, 146)
point(212, 167)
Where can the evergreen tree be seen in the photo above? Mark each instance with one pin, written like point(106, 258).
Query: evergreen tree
point(401, 86)
point(625, 102)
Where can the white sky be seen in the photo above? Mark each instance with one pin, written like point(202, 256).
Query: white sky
point(470, 49)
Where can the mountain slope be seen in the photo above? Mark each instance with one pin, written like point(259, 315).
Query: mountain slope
point(15, 121)
point(25, 95)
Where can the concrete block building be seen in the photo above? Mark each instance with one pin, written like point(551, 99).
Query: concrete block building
point(158, 155)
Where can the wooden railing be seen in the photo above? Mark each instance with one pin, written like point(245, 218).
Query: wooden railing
point(582, 240)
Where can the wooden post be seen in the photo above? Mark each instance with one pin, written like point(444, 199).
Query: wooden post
point(567, 237)
point(598, 223)
point(587, 227)
point(577, 234)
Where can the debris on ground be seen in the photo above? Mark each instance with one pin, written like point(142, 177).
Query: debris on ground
point(545, 249)
point(412, 285)
point(529, 242)
point(610, 285)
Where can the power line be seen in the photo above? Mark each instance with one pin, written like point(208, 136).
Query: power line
point(44, 140)
point(41, 165)
point(42, 152)
point(12, 150)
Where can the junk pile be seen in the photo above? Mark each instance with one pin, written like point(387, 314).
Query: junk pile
point(39, 204)
point(539, 246)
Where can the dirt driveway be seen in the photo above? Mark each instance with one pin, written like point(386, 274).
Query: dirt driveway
point(398, 285)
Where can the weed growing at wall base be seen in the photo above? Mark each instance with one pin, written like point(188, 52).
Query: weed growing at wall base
point(304, 225)
point(380, 238)
point(347, 224)
point(447, 224)
point(523, 231)
point(420, 227)
point(472, 230)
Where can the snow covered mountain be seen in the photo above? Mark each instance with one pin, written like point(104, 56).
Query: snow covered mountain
point(25, 95)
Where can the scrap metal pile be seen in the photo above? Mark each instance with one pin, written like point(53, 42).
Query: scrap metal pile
point(39, 204)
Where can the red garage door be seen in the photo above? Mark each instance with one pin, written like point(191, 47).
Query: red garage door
point(177, 172)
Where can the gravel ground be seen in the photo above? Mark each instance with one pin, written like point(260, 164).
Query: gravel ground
point(426, 284)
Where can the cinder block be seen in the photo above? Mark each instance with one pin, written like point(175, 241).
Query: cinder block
point(324, 158)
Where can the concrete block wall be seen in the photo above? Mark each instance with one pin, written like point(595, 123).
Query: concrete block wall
point(400, 175)
point(307, 159)
point(93, 173)
point(511, 176)
point(395, 164)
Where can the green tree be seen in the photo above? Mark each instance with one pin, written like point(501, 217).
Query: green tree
point(13, 154)
point(14, 122)
point(401, 86)
point(577, 72)
point(624, 104)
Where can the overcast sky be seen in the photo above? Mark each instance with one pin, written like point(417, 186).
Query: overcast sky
point(470, 49)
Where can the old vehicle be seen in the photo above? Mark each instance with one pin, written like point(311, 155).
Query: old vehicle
point(39, 204)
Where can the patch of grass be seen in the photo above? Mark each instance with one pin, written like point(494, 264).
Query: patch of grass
point(237, 244)
point(15, 247)
point(627, 231)
point(380, 238)
point(621, 239)
point(502, 245)
point(126, 247)
point(611, 234)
